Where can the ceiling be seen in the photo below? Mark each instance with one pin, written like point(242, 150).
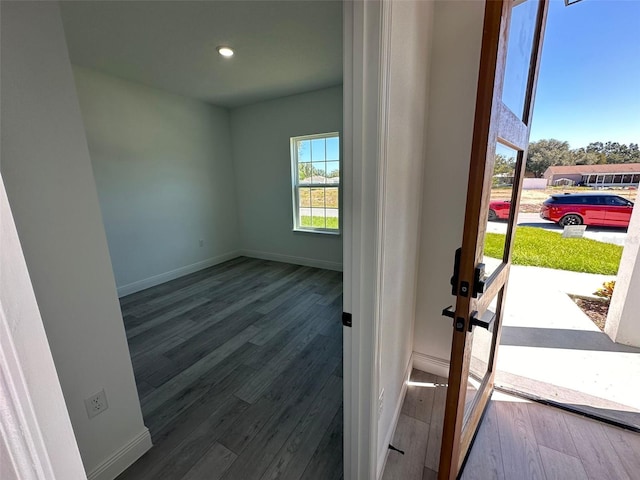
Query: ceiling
point(281, 47)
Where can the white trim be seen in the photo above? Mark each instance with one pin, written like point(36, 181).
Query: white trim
point(362, 48)
point(278, 257)
point(349, 436)
point(384, 101)
point(429, 364)
point(19, 428)
point(296, 185)
point(173, 274)
point(394, 423)
point(122, 458)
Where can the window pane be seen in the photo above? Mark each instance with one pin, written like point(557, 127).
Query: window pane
point(304, 172)
point(333, 148)
point(318, 218)
point(304, 151)
point(332, 215)
point(319, 172)
point(333, 172)
point(317, 197)
point(331, 197)
point(499, 211)
point(317, 150)
point(305, 197)
point(519, 49)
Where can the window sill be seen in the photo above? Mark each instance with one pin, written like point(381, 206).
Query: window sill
point(316, 232)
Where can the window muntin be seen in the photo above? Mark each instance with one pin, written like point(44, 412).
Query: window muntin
point(315, 163)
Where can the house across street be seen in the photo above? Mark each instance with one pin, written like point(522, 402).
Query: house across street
point(597, 176)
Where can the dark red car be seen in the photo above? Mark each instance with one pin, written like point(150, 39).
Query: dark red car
point(499, 209)
point(603, 209)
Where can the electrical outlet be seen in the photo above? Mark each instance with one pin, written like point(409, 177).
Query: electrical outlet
point(380, 403)
point(201, 242)
point(96, 404)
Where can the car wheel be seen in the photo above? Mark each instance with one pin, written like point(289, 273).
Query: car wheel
point(493, 216)
point(570, 220)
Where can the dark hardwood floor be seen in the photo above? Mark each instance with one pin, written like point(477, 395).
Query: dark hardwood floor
point(239, 373)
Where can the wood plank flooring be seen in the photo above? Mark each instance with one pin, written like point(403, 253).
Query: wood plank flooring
point(517, 440)
point(238, 369)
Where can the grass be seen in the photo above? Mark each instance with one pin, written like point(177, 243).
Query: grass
point(318, 222)
point(537, 247)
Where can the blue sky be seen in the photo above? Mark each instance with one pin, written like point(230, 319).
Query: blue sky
point(589, 82)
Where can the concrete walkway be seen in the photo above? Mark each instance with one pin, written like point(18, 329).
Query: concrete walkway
point(551, 349)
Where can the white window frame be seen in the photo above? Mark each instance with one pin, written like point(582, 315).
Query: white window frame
point(296, 185)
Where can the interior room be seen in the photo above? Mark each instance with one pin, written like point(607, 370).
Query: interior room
point(150, 185)
point(191, 166)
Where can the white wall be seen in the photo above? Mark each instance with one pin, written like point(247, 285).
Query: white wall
point(164, 174)
point(622, 321)
point(454, 75)
point(410, 48)
point(51, 191)
point(260, 138)
point(39, 413)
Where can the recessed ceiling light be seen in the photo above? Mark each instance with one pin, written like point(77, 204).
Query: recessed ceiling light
point(225, 51)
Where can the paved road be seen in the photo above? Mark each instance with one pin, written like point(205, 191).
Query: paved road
point(616, 236)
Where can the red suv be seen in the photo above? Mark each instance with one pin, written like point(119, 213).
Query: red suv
point(499, 210)
point(602, 209)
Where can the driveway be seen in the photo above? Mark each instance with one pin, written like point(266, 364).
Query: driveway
point(617, 236)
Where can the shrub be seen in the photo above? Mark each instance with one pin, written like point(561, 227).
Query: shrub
point(606, 291)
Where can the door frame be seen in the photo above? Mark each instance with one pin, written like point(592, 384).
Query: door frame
point(366, 34)
point(34, 422)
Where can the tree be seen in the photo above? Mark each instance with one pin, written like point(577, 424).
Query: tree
point(304, 170)
point(614, 152)
point(546, 153)
point(582, 157)
point(503, 167)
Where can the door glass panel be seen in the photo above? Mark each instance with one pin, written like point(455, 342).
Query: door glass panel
point(499, 207)
point(482, 339)
point(521, 35)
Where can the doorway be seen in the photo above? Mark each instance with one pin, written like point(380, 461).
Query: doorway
point(551, 348)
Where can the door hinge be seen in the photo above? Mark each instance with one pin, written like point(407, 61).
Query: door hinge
point(346, 319)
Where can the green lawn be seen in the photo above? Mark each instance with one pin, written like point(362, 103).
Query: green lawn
point(318, 222)
point(543, 248)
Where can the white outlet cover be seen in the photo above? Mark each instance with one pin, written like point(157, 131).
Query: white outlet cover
point(96, 403)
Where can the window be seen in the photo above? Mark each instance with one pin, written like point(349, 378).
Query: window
point(315, 162)
point(617, 201)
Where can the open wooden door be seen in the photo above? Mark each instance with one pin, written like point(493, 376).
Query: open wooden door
point(511, 47)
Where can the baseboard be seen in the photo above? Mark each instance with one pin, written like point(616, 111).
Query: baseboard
point(307, 262)
point(429, 364)
point(122, 458)
point(173, 274)
point(388, 438)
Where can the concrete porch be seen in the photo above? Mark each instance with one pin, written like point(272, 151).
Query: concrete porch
point(551, 349)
